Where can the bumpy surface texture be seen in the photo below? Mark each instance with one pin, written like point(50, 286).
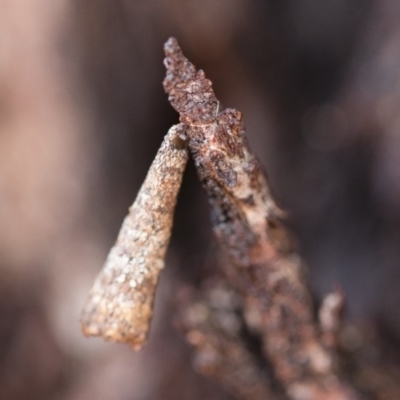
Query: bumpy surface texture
point(119, 307)
point(262, 263)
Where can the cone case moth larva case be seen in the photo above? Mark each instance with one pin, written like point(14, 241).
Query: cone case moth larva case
point(120, 304)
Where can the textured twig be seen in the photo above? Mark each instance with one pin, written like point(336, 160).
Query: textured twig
point(210, 319)
point(262, 265)
point(119, 307)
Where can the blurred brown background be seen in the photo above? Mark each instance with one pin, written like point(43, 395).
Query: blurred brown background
point(82, 113)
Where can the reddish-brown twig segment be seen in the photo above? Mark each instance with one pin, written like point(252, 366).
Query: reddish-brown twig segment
point(246, 221)
point(119, 307)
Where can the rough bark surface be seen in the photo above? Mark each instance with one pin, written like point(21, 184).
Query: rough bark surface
point(262, 265)
point(212, 323)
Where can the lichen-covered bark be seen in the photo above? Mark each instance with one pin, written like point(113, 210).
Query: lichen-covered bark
point(262, 265)
point(120, 304)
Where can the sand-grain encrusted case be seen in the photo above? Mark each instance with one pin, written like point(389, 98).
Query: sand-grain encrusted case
point(120, 303)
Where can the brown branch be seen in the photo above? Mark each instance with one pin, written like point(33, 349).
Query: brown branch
point(210, 319)
point(262, 265)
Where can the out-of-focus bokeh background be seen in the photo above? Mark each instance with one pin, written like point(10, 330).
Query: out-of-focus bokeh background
point(82, 113)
